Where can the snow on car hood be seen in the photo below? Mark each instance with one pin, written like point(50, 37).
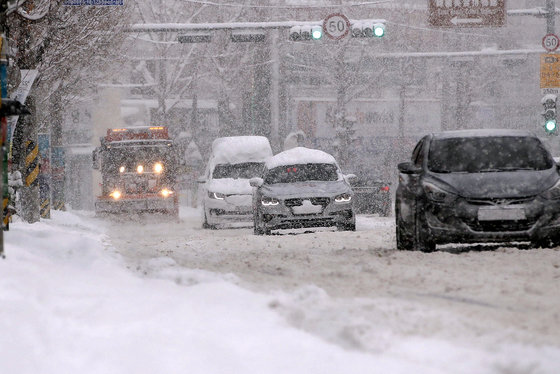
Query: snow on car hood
point(230, 186)
point(305, 189)
point(501, 184)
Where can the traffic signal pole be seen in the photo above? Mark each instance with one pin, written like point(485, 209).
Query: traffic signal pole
point(550, 14)
point(254, 32)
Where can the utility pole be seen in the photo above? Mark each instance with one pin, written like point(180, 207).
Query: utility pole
point(550, 14)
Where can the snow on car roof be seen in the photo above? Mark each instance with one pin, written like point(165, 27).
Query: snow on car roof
point(300, 155)
point(238, 149)
point(475, 133)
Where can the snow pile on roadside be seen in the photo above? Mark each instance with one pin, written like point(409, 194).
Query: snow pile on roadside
point(69, 305)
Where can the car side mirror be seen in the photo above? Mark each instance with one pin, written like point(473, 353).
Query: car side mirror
point(256, 182)
point(409, 168)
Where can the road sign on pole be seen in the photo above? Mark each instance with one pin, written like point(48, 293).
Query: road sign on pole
point(336, 26)
point(550, 70)
point(454, 13)
point(550, 42)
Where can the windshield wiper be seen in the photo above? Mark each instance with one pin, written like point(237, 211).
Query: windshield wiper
point(515, 168)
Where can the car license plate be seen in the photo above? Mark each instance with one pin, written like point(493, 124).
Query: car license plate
point(307, 208)
point(501, 214)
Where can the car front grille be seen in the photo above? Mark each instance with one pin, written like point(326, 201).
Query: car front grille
point(501, 201)
point(501, 226)
point(324, 201)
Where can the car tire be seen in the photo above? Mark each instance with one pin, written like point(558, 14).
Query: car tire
point(404, 243)
point(206, 225)
point(348, 226)
point(423, 240)
point(258, 227)
point(546, 243)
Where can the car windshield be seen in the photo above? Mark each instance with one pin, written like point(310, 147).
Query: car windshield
point(302, 173)
point(246, 170)
point(488, 154)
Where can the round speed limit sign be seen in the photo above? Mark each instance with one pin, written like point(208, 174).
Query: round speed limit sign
point(336, 26)
point(550, 42)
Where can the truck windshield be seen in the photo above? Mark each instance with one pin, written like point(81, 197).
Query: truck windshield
point(302, 173)
point(246, 170)
point(488, 154)
point(131, 157)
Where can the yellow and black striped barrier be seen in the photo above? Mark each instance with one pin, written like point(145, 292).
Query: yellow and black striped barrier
point(7, 214)
point(31, 163)
point(59, 205)
point(45, 208)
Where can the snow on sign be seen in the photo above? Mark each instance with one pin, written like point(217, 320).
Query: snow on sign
point(550, 42)
point(336, 26)
point(461, 13)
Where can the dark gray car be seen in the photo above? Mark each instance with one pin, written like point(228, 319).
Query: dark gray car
point(302, 188)
point(478, 186)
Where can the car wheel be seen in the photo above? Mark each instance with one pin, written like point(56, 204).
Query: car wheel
point(422, 237)
point(347, 226)
point(404, 243)
point(546, 243)
point(206, 225)
point(258, 226)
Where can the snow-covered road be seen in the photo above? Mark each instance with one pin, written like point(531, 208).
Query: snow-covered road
point(356, 290)
point(149, 296)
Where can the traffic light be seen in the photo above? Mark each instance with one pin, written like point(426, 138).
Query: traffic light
point(314, 32)
point(549, 114)
point(365, 29)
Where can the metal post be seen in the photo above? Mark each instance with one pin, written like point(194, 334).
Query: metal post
point(550, 14)
point(274, 91)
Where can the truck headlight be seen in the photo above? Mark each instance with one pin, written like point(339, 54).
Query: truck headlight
point(166, 193)
point(344, 198)
point(216, 195)
point(116, 194)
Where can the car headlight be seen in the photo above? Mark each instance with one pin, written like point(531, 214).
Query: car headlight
point(140, 169)
point(158, 167)
point(166, 193)
point(344, 198)
point(116, 194)
point(122, 169)
point(438, 194)
point(269, 201)
point(216, 195)
point(553, 192)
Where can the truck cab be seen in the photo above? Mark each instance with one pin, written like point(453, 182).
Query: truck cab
point(138, 167)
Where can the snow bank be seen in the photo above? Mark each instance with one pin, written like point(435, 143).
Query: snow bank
point(238, 149)
point(69, 305)
point(300, 155)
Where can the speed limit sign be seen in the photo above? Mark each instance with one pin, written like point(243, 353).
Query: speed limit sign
point(550, 42)
point(336, 26)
